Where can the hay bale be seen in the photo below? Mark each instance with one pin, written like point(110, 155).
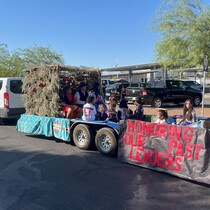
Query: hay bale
point(43, 86)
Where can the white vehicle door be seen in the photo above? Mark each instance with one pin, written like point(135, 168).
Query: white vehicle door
point(1, 94)
point(15, 93)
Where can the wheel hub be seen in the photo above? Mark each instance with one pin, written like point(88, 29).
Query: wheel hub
point(197, 101)
point(81, 137)
point(105, 142)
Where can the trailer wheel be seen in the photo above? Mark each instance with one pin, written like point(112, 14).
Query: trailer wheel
point(106, 142)
point(157, 102)
point(83, 136)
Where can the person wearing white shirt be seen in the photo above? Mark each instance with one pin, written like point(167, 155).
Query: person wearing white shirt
point(162, 117)
point(89, 110)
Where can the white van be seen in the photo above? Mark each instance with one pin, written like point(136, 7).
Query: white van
point(11, 101)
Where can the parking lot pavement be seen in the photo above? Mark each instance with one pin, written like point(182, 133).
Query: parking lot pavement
point(39, 173)
point(174, 109)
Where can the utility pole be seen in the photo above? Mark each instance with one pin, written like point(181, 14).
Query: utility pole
point(116, 65)
point(205, 69)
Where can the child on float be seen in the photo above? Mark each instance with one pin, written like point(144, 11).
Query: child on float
point(112, 100)
point(124, 112)
point(95, 91)
point(89, 109)
point(189, 114)
point(101, 113)
point(69, 107)
point(139, 111)
point(99, 101)
point(111, 113)
point(162, 117)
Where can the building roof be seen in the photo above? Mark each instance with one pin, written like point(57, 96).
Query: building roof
point(134, 67)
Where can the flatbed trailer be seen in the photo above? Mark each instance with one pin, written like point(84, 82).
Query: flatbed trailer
point(84, 134)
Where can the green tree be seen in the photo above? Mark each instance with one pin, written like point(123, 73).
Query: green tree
point(184, 27)
point(38, 55)
point(12, 63)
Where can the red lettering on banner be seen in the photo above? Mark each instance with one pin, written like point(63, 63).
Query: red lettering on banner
point(188, 151)
point(132, 151)
point(174, 132)
point(161, 159)
point(179, 150)
point(177, 162)
point(140, 154)
point(163, 129)
point(146, 155)
point(198, 147)
point(153, 157)
point(140, 139)
point(130, 126)
point(134, 139)
point(138, 126)
point(127, 138)
point(146, 128)
point(169, 160)
point(154, 129)
point(172, 144)
point(179, 146)
point(187, 134)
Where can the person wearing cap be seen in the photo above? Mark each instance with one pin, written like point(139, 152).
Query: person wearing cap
point(81, 95)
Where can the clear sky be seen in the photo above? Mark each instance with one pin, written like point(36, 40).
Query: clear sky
point(86, 32)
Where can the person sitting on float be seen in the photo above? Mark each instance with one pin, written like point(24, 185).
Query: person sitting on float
point(124, 112)
point(101, 112)
point(112, 100)
point(162, 117)
point(139, 111)
point(95, 91)
point(71, 110)
point(81, 95)
point(89, 109)
point(111, 112)
point(189, 114)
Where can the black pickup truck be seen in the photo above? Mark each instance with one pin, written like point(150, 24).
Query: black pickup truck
point(165, 91)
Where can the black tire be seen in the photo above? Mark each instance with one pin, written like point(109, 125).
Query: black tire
point(83, 136)
point(106, 142)
point(196, 100)
point(1, 121)
point(157, 102)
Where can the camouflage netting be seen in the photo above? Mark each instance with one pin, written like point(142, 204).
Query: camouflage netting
point(43, 86)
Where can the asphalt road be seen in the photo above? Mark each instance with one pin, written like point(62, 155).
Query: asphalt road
point(40, 173)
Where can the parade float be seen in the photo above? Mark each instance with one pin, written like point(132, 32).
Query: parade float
point(43, 88)
point(182, 151)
